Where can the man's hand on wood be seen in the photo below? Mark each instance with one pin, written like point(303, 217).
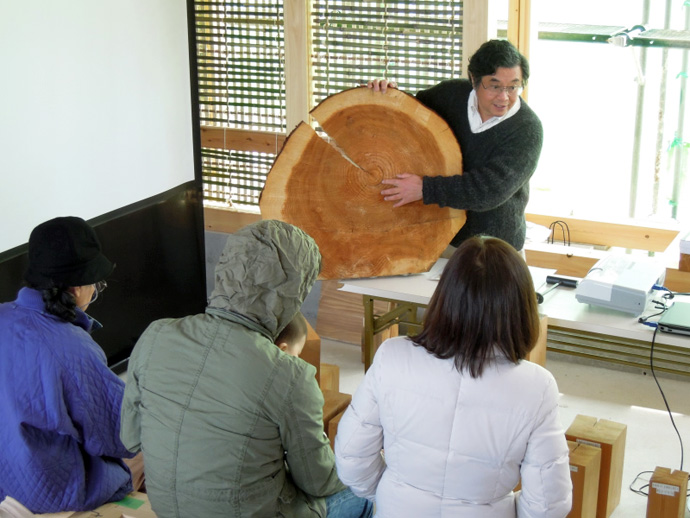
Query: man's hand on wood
point(381, 85)
point(405, 188)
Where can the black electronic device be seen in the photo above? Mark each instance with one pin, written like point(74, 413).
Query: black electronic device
point(563, 280)
point(676, 319)
point(556, 281)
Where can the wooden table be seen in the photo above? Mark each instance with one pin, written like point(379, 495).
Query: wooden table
point(410, 293)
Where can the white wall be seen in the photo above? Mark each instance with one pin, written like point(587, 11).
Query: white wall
point(95, 109)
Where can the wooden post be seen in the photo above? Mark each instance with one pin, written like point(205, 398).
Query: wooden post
point(610, 437)
point(297, 60)
point(684, 264)
point(667, 493)
point(585, 466)
point(477, 28)
point(520, 33)
point(311, 352)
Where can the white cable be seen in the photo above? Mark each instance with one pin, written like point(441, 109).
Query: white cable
point(638, 67)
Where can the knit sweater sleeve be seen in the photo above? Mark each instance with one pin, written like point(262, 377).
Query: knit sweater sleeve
point(499, 163)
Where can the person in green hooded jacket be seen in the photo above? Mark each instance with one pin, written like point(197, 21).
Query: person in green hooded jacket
point(230, 425)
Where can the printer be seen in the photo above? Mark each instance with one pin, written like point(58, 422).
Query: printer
point(621, 282)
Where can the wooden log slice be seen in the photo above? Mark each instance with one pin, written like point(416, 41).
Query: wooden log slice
point(332, 190)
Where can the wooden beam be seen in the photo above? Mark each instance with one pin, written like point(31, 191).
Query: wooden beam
point(475, 28)
point(297, 61)
point(677, 280)
point(624, 235)
point(565, 260)
point(514, 26)
point(521, 19)
point(519, 25)
point(226, 220)
point(241, 140)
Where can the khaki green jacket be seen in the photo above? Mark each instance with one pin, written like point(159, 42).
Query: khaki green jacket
point(229, 425)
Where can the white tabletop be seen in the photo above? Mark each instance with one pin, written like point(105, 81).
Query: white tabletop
point(416, 288)
point(559, 305)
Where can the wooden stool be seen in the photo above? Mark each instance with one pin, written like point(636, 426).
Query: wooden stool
point(667, 493)
point(585, 466)
point(610, 437)
point(330, 377)
point(134, 505)
point(311, 352)
point(335, 404)
point(333, 428)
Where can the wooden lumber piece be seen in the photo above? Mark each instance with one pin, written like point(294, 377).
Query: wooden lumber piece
point(332, 189)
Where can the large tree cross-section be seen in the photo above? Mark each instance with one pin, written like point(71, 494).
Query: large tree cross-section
point(332, 189)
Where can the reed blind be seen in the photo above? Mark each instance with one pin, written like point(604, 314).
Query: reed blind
point(240, 54)
point(415, 43)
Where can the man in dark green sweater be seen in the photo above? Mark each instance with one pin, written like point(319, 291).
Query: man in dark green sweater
point(500, 138)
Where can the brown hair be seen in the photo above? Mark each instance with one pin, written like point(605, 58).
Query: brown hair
point(294, 331)
point(485, 303)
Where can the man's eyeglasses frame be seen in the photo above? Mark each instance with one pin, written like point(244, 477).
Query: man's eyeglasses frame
point(496, 89)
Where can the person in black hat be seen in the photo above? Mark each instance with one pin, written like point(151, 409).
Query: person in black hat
point(66, 264)
point(59, 401)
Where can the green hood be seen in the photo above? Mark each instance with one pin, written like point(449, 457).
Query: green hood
point(264, 274)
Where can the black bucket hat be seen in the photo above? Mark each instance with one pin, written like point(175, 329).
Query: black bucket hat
point(65, 251)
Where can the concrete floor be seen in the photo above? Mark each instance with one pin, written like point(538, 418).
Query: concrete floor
point(623, 396)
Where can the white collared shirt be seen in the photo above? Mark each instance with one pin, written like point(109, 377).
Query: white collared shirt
point(476, 123)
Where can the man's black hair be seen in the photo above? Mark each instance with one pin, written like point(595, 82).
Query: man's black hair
point(496, 54)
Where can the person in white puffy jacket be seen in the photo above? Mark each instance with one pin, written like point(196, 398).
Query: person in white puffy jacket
point(447, 423)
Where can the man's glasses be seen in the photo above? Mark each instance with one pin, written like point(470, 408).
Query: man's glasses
point(97, 289)
point(496, 89)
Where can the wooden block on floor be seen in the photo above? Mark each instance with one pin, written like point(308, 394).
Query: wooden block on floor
point(333, 427)
point(585, 466)
point(311, 353)
point(334, 403)
point(538, 353)
point(667, 493)
point(134, 505)
point(609, 436)
point(684, 263)
point(66, 514)
point(330, 377)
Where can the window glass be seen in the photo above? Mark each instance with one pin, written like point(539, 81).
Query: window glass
point(614, 116)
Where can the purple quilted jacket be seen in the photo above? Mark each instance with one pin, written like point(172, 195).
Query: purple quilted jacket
point(59, 412)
